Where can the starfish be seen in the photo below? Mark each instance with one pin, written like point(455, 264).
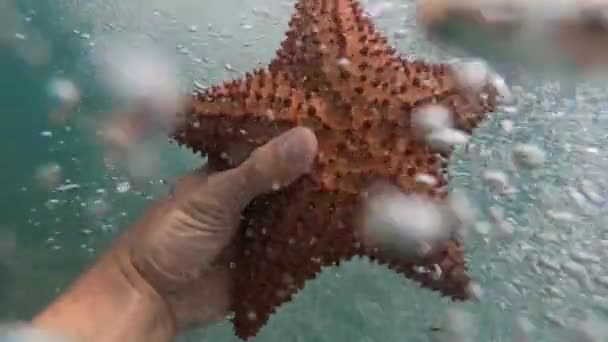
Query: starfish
point(337, 75)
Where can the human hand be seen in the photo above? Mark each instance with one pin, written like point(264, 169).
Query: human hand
point(180, 246)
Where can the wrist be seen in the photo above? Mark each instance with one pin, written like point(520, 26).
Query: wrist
point(110, 302)
point(151, 304)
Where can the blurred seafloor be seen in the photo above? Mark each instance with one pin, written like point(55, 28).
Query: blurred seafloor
point(548, 274)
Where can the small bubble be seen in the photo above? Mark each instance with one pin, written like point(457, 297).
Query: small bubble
point(509, 109)
point(437, 272)
point(426, 179)
point(123, 187)
point(472, 75)
point(563, 216)
point(97, 207)
point(344, 62)
point(528, 156)
point(65, 90)
point(378, 9)
point(49, 175)
point(67, 187)
point(199, 85)
point(51, 204)
point(475, 291)
point(431, 118)
point(47, 134)
point(270, 114)
point(497, 180)
point(443, 140)
point(482, 227)
point(505, 96)
point(507, 125)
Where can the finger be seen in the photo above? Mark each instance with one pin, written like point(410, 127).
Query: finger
point(193, 180)
point(270, 167)
point(198, 177)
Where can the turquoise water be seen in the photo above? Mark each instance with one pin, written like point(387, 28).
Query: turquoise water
point(47, 238)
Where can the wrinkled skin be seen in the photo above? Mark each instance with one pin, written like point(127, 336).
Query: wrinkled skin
point(180, 246)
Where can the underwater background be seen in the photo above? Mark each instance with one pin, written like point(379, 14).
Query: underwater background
point(545, 279)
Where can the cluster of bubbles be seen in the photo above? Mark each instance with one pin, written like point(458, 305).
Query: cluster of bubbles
point(144, 86)
point(404, 222)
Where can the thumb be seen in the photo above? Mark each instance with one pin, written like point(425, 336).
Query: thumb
point(270, 167)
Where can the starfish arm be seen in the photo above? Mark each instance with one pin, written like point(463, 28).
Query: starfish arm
point(237, 116)
point(305, 229)
point(334, 50)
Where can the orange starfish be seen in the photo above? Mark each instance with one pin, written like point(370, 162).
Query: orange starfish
point(335, 74)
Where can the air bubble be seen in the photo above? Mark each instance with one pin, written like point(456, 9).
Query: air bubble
point(123, 187)
point(472, 75)
point(443, 140)
point(475, 291)
point(426, 179)
point(68, 187)
point(497, 180)
point(528, 156)
point(49, 176)
point(507, 125)
point(430, 118)
point(65, 90)
point(378, 9)
point(388, 224)
point(344, 62)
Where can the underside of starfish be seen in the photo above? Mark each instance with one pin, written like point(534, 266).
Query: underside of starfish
point(335, 74)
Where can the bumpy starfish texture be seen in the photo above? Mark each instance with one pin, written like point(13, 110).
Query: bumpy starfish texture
point(336, 75)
